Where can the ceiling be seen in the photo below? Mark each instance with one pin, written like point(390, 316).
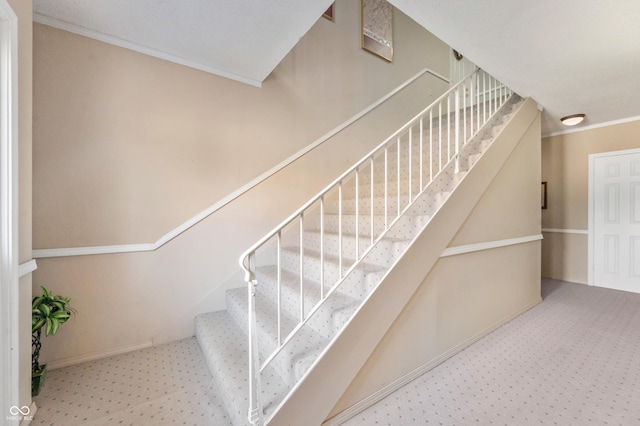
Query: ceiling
point(571, 56)
point(240, 39)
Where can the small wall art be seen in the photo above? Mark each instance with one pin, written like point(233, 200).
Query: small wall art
point(377, 28)
point(329, 13)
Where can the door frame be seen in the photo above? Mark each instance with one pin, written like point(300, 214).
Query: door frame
point(591, 203)
point(9, 294)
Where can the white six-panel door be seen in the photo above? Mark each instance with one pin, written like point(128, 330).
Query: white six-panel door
point(614, 218)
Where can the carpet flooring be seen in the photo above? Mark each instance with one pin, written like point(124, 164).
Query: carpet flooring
point(574, 359)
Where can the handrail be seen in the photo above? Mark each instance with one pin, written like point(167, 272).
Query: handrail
point(297, 213)
point(442, 129)
point(144, 247)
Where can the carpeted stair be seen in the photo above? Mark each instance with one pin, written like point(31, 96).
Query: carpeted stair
point(223, 334)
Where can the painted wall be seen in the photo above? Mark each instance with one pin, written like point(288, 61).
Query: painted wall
point(23, 9)
point(467, 296)
point(565, 166)
point(127, 147)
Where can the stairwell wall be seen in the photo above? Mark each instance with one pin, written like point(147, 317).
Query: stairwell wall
point(466, 296)
point(127, 147)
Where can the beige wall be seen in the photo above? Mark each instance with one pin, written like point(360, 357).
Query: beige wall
point(565, 166)
point(468, 295)
point(127, 147)
point(23, 9)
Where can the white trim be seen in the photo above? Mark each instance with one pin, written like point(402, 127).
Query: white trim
point(109, 39)
point(130, 248)
point(387, 390)
point(9, 292)
point(593, 126)
point(84, 358)
point(85, 251)
point(566, 231)
point(489, 245)
point(27, 268)
point(591, 207)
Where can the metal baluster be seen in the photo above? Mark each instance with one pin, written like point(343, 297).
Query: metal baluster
point(448, 128)
point(439, 136)
point(302, 267)
point(279, 284)
point(398, 177)
point(495, 98)
point(457, 124)
point(484, 96)
point(322, 247)
point(255, 407)
point(340, 230)
point(464, 114)
point(357, 257)
point(430, 145)
point(421, 154)
point(410, 165)
point(386, 186)
point(372, 201)
point(471, 102)
point(478, 126)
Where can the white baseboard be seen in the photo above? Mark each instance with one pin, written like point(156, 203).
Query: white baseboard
point(99, 355)
point(387, 390)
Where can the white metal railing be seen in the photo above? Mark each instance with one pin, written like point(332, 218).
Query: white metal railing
point(400, 168)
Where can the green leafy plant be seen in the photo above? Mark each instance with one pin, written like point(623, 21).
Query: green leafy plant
point(48, 312)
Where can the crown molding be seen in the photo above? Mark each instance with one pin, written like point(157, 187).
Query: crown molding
point(115, 41)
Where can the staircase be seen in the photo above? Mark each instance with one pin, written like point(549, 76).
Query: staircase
point(311, 275)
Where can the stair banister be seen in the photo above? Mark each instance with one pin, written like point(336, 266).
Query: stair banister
point(474, 86)
point(245, 256)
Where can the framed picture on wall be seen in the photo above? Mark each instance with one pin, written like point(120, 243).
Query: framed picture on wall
point(329, 13)
point(377, 28)
point(543, 195)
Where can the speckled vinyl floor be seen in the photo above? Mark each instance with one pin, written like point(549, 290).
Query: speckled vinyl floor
point(164, 385)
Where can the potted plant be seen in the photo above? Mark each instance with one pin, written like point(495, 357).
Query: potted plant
point(48, 312)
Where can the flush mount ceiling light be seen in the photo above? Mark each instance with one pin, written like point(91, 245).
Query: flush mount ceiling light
point(572, 120)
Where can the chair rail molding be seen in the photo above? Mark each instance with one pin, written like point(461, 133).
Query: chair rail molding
point(27, 267)
point(489, 245)
point(565, 231)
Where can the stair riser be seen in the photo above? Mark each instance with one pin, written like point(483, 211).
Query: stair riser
point(288, 363)
point(327, 320)
point(406, 222)
point(332, 245)
point(354, 285)
point(406, 186)
point(429, 169)
point(427, 204)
